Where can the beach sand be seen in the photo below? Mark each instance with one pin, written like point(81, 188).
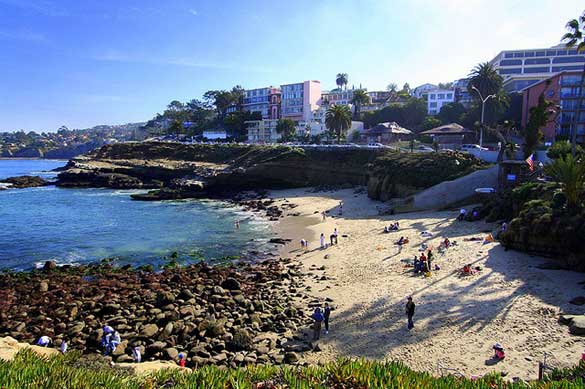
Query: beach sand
point(457, 319)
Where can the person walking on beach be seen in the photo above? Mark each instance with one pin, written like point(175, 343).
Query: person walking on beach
point(326, 315)
point(324, 215)
point(322, 239)
point(318, 320)
point(410, 312)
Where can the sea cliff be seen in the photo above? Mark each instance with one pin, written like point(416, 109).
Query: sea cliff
point(194, 170)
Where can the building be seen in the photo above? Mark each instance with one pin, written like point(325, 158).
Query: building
point(421, 91)
point(316, 124)
point(563, 90)
point(300, 99)
point(337, 97)
point(523, 68)
point(436, 98)
point(262, 131)
point(450, 136)
point(388, 132)
point(380, 97)
point(462, 95)
point(264, 100)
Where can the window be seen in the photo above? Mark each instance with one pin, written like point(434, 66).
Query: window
point(518, 55)
point(529, 54)
point(561, 68)
point(509, 62)
point(509, 55)
point(432, 96)
point(510, 71)
point(441, 96)
point(540, 69)
point(449, 96)
point(572, 79)
point(433, 104)
point(551, 52)
point(561, 52)
point(569, 59)
point(536, 61)
point(572, 52)
point(540, 53)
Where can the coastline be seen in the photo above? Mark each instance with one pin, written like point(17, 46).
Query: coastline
point(510, 300)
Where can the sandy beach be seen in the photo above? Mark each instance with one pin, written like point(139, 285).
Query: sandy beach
point(458, 318)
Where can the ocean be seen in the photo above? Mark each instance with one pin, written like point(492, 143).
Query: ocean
point(77, 226)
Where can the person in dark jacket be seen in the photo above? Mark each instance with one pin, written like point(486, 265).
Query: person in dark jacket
point(318, 320)
point(410, 312)
point(326, 314)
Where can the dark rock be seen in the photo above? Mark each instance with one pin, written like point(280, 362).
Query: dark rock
point(577, 325)
point(580, 300)
point(49, 265)
point(291, 357)
point(230, 283)
point(149, 330)
point(25, 182)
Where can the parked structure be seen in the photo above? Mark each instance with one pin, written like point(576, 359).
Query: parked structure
point(450, 136)
point(562, 89)
point(523, 68)
point(388, 132)
point(300, 99)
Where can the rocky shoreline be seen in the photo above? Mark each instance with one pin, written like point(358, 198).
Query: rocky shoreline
point(21, 182)
point(232, 316)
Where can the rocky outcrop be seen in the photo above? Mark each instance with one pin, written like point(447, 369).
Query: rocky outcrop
point(253, 317)
point(225, 170)
point(25, 182)
point(9, 347)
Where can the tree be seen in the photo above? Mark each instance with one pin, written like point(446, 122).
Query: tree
point(429, 123)
point(406, 89)
point(570, 173)
point(576, 37)
point(414, 112)
point(235, 122)
point(445, 85)
point(338, 120)
point(287, 129)
point(341, 79)
point(392, 87)
point(562, 148)
point(360, 98)
point(540, 116)
point(487, 80)
point(451, 113)
point(220, 99)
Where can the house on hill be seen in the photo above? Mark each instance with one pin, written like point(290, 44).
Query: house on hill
point(451, 136)
point(387, 133)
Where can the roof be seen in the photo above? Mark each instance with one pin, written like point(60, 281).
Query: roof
point(391, 127)
point(448, 129)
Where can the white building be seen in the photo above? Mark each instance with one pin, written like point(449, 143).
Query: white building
point(262, 131)
point(523, 68)
point(436, 98)
point(421, 91)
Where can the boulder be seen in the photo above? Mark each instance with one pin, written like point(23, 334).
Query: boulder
point(148, 330)
point(291, 357)
point(168, 330)
point(49, 265)
point(577, 326)
point(230, 283)
point(171, 353)
point(579, 300)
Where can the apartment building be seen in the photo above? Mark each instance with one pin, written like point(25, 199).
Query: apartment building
point(337, 97)
point(264, 100)
point(562, 89)
point(262, 131)
point(523, 68)
point(436, 98)
point(300, 99)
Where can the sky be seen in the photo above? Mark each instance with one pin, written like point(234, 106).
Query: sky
point(82, 63)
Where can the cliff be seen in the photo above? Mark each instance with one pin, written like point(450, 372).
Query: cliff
point(206, 170)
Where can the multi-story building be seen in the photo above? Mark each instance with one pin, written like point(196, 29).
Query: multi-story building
point(274, 103)
point(262, 131)
point(258, 100)
point(421, 91)
point(462, 95)
point(522, 68)
point(380, 97)
point(337, 97)
point(562, 89)
point(300, 99)
point(436, 98)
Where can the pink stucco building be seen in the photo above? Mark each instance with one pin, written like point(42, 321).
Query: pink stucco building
point(300, 99)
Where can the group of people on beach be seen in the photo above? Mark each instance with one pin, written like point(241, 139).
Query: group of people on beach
point(392, 227)
point(321, 318)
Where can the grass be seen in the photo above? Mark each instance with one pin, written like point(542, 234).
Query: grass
point(28, 370)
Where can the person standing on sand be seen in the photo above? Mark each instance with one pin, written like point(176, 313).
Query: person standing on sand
point(326, 315)
point(318, 320)
point(322, 239)
point(340, 208)
point(410, 312)
point(324, 215)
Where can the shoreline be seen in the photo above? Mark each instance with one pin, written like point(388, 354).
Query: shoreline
point(510, 300)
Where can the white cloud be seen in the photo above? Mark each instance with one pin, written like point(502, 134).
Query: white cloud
point(193, 12)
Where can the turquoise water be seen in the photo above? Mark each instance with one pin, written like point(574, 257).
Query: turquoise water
point(77, 226)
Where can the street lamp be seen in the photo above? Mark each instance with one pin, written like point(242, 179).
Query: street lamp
point(483, 101)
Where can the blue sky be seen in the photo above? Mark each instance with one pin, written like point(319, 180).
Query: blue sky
point(82, 63)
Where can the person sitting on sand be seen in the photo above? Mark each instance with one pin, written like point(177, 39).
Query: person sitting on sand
point(462, 214)
point(110, 340)
point(303, 243)
point(386, 229)
point(400, 241)
point(44, 341)
point(499, 353)
point(416, 264)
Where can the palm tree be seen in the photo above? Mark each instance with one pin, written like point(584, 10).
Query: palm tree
point(360, 97)
point(576, 37)
point(486, 79)
point(338, 120)
point(570, 173)
point(341, 80)
point(392, 87)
